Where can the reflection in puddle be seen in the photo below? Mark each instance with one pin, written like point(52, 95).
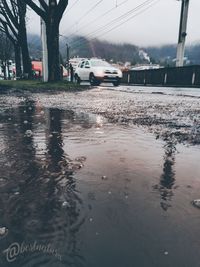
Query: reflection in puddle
point(32, 199)
point(167, 179)
point(83, 185)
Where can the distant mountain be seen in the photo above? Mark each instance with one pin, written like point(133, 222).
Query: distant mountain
point(166, 54)
point(193, 53)
point(163, 55)
point(35, 46)
point(83, 47)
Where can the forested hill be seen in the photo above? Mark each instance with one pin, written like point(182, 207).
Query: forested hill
point(82, 47)
point(167, 53)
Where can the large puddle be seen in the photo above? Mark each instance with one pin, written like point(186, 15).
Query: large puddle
point(80, 186)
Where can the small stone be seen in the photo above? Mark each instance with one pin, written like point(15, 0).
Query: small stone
point(66, 204)
point(28, 133)
point(196, 203)
point(16, 193)
point(91, 220)
point(104, 177)
point(25, 122)
point(109, 192)
point(81, 159)
point(80, 166)
point(166, 253)
point(3, 231)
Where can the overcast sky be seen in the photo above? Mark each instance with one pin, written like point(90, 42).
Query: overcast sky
point(154, 23)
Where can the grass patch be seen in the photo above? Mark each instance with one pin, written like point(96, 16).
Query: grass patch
point(37, 86)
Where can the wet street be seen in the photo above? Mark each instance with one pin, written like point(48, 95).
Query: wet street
point(100, 178)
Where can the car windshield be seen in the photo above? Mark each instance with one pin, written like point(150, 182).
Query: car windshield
point(100, 63)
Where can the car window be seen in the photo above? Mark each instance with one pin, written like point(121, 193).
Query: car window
point(82, 64)
point(87, 64)
point(100, 63)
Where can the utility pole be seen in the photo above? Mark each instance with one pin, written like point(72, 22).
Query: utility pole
point(67, 58)
point(182, 33)
point(44, 51)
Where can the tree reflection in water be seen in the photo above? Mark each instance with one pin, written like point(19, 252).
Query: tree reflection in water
point(55, 142)
point(32, 201)
point(167, 179)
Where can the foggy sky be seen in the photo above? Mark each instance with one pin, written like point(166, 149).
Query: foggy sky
point(157, 25)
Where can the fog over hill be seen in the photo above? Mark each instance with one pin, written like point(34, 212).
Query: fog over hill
point(82, 47)
point(166, 54)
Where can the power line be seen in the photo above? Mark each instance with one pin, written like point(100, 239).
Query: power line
point(68, 9)
point(87, 12)
point(116, 20)
point(142, 11)
point(101, 16)
point(117, 26)
point(122, 17)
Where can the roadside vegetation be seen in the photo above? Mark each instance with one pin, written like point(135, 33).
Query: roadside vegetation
point(34, 86)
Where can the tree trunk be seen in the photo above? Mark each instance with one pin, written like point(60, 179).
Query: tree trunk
point(18, 61)
point(52, 31)
point(4, 70)
point(8, 69)
point(27, 66)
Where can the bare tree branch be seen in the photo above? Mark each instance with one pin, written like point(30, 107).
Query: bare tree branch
point(37, 9)
point(4, 28)
point(62, 5)
point(9, 14)
point(13, 14)
point(44, 5)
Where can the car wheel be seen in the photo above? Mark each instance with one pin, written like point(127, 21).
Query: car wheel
point(93, 80)
point(116, 83)
point(77, 79)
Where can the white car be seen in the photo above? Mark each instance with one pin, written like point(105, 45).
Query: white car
point(97, 71)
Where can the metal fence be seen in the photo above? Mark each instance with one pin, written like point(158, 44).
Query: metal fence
point(188, 76)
